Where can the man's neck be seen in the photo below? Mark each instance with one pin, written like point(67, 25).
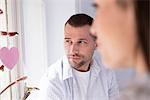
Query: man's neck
point(84, 68)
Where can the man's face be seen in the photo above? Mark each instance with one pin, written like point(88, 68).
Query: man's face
point(79, 46)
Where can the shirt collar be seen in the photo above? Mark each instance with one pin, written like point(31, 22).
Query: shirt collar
point(67, 70)
point(95, 67)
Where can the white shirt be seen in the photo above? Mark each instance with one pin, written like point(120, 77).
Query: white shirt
point(82, 79)
point(59, 83)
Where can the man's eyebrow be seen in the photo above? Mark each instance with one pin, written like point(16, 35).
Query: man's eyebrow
point(67, 38)
point(83, 39)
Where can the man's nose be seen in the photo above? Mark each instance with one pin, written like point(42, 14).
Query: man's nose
point(75, 48)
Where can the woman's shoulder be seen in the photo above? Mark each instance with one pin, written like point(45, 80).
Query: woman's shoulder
point(139, 89)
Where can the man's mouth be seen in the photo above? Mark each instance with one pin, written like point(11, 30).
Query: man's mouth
point(74, 57)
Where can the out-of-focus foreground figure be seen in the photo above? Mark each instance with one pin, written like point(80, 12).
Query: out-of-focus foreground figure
point(122, 30)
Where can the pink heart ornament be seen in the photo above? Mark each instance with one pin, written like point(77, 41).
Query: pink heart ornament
point(9, 57)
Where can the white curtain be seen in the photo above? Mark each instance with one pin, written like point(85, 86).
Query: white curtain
point(10, 22)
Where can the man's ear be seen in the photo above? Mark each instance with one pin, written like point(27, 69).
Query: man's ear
point(95, 45)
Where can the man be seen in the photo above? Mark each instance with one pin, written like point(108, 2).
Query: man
point(78, 75)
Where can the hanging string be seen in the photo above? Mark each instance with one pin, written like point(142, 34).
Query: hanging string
point(7, 29)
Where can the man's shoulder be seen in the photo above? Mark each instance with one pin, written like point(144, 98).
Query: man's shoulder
point(103, 69)
point(107, 72)
point(51, 83)
point(54, 71)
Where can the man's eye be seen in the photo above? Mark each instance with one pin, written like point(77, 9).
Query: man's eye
point(82, 42)
point(68, 41)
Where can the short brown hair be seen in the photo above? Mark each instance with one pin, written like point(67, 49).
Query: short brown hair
point(79, 20)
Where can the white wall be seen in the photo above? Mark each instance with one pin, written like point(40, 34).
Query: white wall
point(85, 6)
point(34, 37)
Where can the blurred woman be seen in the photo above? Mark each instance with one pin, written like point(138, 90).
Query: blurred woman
point(122, 30)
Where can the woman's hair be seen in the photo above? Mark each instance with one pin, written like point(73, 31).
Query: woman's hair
point(142, 10)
